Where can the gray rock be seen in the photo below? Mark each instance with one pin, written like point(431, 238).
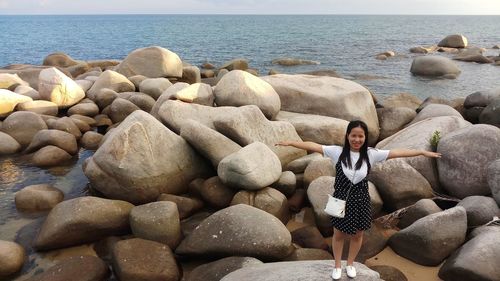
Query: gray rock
point(91, 140)
point(435, 110)
point(304, 254)
point(434, 66)
point(120, 109)
point(215, 271)
point(63, 140)
point(465, 178)
point(392, 120)
point(491, 113)
point(199, 93)
point(481, 98)
point(297, 271)
point(111, 80)
point(105, 97)
point(493, 178)
point(389, 273)
point(186, 206)
point(8, 145)
point(431, 239)
point(152, 62)
point(232, 232)
point(28, 91)
point(85, 109)
point(82, 220)
point(453, 41)
point(12, 258)
point(68, 125)
point(299, 165)
point(49, 156)
point(190, 74)
point(23, 126)
point(293, 61)
point(154, 87)
point(317, 194)
point(39, 197)
point(286, 184)
point(402, 100)
point(268, 199)
point(235, 64)
point(157, 221)
point(480, 210)
point(39, 106)
point(309, 237)
point(375, 199)
point(318, 168)
point(422, 208)
point(165, 96)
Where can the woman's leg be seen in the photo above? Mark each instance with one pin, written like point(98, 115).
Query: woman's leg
point(337, 245)
point(354, 246)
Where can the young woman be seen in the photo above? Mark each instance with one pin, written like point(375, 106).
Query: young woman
point(352, 164)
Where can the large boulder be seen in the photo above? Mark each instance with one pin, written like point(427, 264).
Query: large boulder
point(480, 210)
point(120, 109)
point(12, 258)
point(328, 96)
point(434, 66)
point(402, 100)
point(475, 260)
point(453, 41)
point(9, 100)
point(435, 110)
point(8, 145)
point(393, 119)
point(49, 156)
point(316, 128)
point(216, 193)
point(247, 125)
point(152, 62)
point(75, 268)
point(55, 86)
point(82, 220)
point(209, 143)
point(317, 194)
point(42, 107)
point(481, 98)
point(111, 80)
point(491, 113)
point(143, 260)
point(422, 208)
point(267, 199)
point(239, 88)
point(478, 144)
point(39, 197)
point(165, 96)
point(298, 270)
point(232, 232)
point(154, 87)
point(235, 64)
point(166, 163)
point(216, 270)
point(11, 81)
point(253, 167)
point(63, 140)
point(157, 221)
point(186, 206)
point(493, 178)
point(85, 109)
point(23, 126)
point(431, 239)
point(91, 140)
point(59, 59)
point(417, 136)
point(27, 91)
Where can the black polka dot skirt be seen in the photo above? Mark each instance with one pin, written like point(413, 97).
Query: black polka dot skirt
point(358, 215)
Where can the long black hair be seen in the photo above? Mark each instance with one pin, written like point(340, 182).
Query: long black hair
point(345, 156)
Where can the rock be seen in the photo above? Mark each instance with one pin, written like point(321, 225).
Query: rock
point(247, 125)
point(304, 254)
point(422, 208)
point(375, 199)
point(199, 93)
point(9, 100)
point(496, 47)
point(434, 66)
point(207, 73)
point(207, 65)
point(286, 184)
point(293, 61)
point(453, 41)
point(186, 206)
point(152, 62)
point(137, 79)
point(419, 50)
point(111, 80)
point(120, 109)
point(435, 110)
point(209, 143)
point(297, 201)
point(63, 140)
point(327, 96)
point(91, 72)
point(40, 197)
point(105, 97)
point(417, 136)
point(22, 126)
point(216, 270)
point(27, 91)
point(481, 98)
point(59, 59)
point(267, 199)
point(143, 260)
point(103, 64)
point(154, 87)
point(374, 241)
point(475, 260)
point(11, 81)
point(190, 74)
point(389, 273)
point(392, 120)
point(480, 210)
point(165, 96)
point(431, 239)
point(143, 101)
point(299, 165)
point(75, 268)
point(67, 124)
point(253, 71)
point(12, 258)
point(216, 193)
point(78, 69)
point(85, 109)
point(49, 156)
point(381, 57)
point(309, 237)
point(473, 58)
point(316, 128)
point(55, 86)
point(82, 220)
point(317, 168)
point(39, 107)
point(91, 140)
point(493, 178)
point(433, 100)
point(297, 270)
point(465, 178)
point(8, 145)
point(86, 119)
point(157, 221)
point(402, 100)
point(236, 64)
point(491, 113)
point(239, 88)
point(317, 194)
point(119, 172)
point(253, 167)
point(232, 232)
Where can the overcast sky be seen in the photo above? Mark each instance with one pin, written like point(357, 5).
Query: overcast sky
point(460, 7)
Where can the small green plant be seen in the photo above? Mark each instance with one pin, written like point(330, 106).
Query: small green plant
point(434, 140)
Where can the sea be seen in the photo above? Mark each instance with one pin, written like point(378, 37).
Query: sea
point(346, 44)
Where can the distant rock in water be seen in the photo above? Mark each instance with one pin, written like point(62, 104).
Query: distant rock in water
point(292, 61)
point(434, 66)
point(453, 41)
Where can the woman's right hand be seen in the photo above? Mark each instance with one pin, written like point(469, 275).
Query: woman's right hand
point(283, 143)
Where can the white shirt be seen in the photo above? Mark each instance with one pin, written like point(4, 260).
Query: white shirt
point(374, 155)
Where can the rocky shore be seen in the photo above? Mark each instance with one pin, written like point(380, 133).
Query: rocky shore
point(187, 183)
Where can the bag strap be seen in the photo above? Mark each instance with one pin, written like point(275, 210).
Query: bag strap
point(350, 186)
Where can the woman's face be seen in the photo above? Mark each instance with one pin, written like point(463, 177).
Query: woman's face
point(356, 138)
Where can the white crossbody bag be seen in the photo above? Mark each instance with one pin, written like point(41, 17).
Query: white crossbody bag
point(336, 207)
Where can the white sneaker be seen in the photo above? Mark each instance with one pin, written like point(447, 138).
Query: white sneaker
point(336, 273)
point(351, 271)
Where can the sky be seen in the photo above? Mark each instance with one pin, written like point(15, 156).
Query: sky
point(423, 7)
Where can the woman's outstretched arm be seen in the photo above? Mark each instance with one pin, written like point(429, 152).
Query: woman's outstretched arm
point(306, 145)
point(401, 152)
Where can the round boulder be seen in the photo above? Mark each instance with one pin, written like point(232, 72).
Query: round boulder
point(493, 177)
point(267, 199)
point(111, 80)
point(8, 145)
point(491, 113)
point(453, 41)
point(422, 208)
point(39, 106)
point(63, 140)
point(480, 210)
point(434, 66)
point(154, 87)
point(91, 140)
point(55, 86)
point(75, 268)
point(9, 100)
point(23, 126)
point(216, 270)
point(392, 120)
point(152, 62)
point(85, 109)
point(12, 257)
point(40, 197)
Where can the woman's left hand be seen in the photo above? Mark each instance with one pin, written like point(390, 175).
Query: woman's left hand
point(431, 154)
